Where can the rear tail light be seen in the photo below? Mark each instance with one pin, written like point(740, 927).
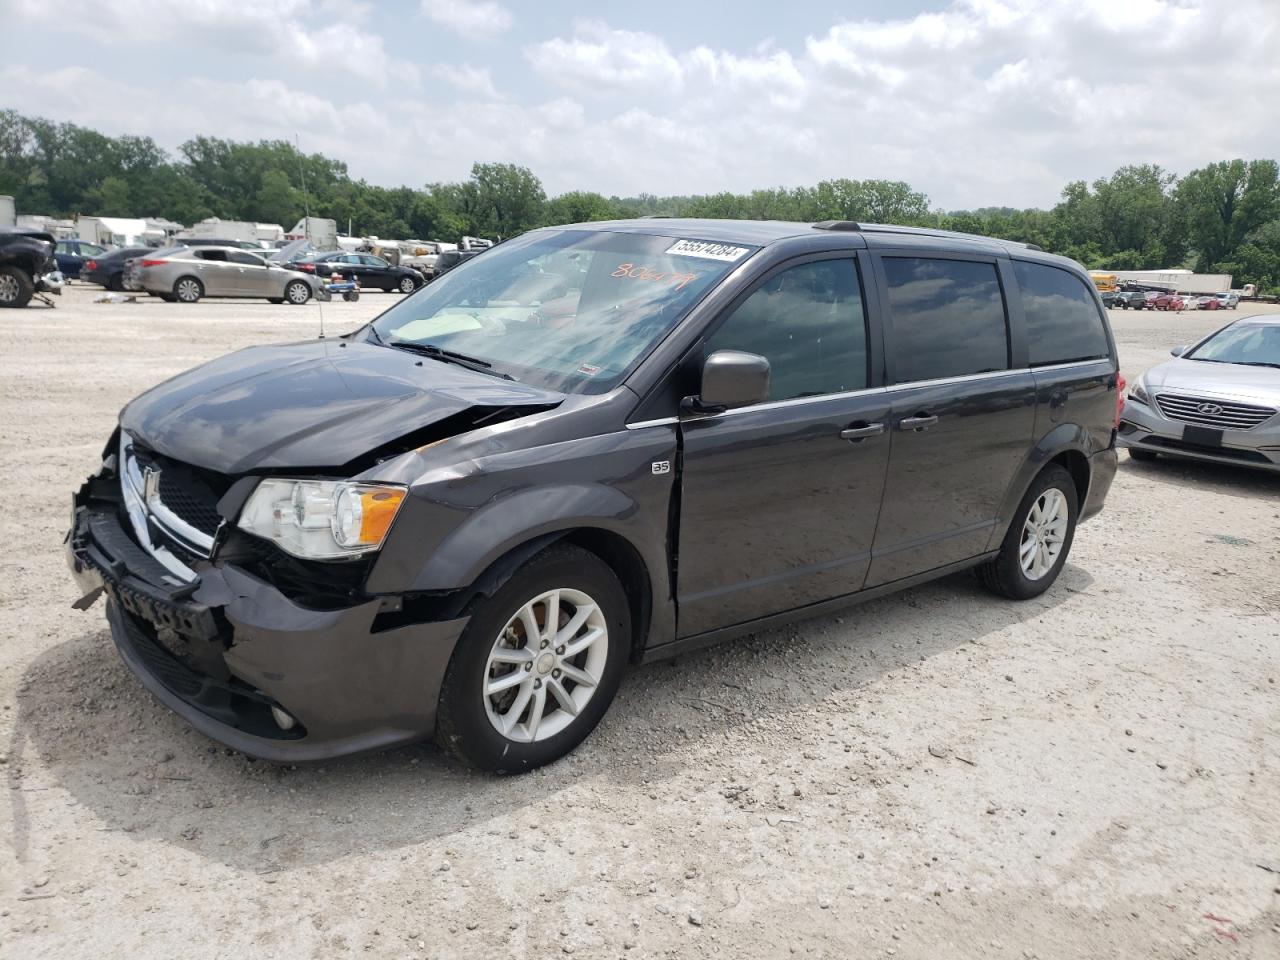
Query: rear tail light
point(1120, 386)
point(150, 263)
point(91, 265)
point(306, 267)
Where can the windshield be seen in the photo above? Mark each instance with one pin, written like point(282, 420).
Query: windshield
point(568, 310)
point(1248, 343)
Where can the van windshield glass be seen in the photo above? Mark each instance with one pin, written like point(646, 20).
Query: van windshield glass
point(568, 310)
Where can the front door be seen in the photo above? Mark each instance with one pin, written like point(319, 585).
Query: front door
point(962, 419)
point(779, 501)
point(254, 278)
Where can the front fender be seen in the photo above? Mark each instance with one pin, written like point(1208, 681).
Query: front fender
point(499, 527)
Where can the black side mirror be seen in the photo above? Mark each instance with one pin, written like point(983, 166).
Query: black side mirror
point(730, 378)
point(1178, 351)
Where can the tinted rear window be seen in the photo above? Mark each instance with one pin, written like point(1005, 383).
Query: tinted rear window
point(1063, 323)
point(947, 318)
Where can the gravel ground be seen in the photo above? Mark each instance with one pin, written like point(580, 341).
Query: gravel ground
point(940, 774)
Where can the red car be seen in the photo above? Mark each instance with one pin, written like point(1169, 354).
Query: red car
point(1208, 303)
point(1169, 301)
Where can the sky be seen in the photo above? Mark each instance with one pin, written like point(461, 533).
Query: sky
point(975, 102)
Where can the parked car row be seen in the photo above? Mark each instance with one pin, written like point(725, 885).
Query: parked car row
point(1163, 300)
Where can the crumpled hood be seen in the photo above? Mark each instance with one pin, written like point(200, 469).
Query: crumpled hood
point(1228, 381)
point(318, 404)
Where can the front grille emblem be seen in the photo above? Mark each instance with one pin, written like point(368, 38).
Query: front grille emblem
point(150, 484)
point(1210, 409)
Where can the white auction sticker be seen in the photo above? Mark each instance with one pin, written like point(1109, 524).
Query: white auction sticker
point(706, 250)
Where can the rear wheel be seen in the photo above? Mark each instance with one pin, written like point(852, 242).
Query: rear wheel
point(1146, 456)
point(115, 282)
point(538, 664)
point(188, 289)
point(297, 292)
point(1039, 538)
point(16, 287)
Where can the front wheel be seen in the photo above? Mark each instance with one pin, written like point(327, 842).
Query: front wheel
point(188, 290)
point(16, 287)
point(538, 664)
point(407, 285)
point(1039, 538)
point(297, 292)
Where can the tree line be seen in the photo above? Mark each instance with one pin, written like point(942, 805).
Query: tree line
point(1221, 218)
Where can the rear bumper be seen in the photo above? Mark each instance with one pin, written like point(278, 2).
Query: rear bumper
point(224, 650)
point(1102, 470)
point(1143, 429)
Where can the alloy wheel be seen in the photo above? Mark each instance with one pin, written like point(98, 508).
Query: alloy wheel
point(406, 285)
point(188, 291)
point(545, 665)
point(298, 292)
point(1043, 533)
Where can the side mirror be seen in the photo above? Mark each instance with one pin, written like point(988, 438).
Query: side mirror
point(730, 378)
point(1178, 351)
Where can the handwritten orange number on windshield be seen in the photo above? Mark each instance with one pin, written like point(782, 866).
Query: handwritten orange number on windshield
point(633, 272)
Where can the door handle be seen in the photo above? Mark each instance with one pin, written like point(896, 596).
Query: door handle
point(922, 421)
point(858, 433)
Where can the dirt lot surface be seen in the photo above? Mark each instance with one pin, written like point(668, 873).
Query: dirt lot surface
point(940, 774)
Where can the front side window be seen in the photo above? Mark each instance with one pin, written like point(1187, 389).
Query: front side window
point(808, 322)
point(374, 261)
point(569, 310)
point(947, 318)
point(1063, 323)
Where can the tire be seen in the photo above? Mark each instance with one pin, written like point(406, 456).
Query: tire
point(16, 287)
point(188, 290)
point(467, 719)
point(1145, 456)
point(115, 283)
point(297, 292)
point(407, 285)
point(275, 300)
point(1006, 574)
point(166, 297)
point(351, 296)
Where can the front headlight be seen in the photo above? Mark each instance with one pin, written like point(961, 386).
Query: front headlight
point(322, 519)
point(1138, 391)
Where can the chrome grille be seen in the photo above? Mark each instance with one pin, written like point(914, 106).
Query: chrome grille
point(1213, 413)
point(159, 530)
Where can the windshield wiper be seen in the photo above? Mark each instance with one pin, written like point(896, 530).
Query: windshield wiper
point(449, 356)
point(1257, 363)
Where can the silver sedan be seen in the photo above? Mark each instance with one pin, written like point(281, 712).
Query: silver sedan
point(186, 274)
point(1218, 400)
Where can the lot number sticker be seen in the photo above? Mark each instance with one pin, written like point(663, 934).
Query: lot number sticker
point(706, 250)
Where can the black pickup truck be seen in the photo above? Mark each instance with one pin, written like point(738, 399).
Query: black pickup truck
point(25, 257)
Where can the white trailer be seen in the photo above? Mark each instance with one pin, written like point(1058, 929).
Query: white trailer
point(1177, 281)
point(322, 232)
point(214, 228)
point(116, 231)
point(8, 212)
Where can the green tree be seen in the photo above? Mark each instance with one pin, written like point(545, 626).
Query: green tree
point(1219, 205)
point(277, 200)
point(505, 199)
point(579, 207)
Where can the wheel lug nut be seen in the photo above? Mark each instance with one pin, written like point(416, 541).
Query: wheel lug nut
point(560, 650)
point(537, 684)
point(556, 674)
point(528, 667)
point(545, 644)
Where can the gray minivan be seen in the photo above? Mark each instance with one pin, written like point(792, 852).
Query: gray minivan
point(596, 444)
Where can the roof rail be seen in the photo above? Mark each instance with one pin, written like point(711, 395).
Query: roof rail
point(851, 226)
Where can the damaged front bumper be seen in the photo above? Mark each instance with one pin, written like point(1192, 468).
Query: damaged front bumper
point(234, 656)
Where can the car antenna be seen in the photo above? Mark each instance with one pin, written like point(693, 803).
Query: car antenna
point(306, 222)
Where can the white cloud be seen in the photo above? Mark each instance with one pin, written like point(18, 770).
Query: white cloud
point(474, 19)
point(981, 102)
point(471, 81)
point(320, 35)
